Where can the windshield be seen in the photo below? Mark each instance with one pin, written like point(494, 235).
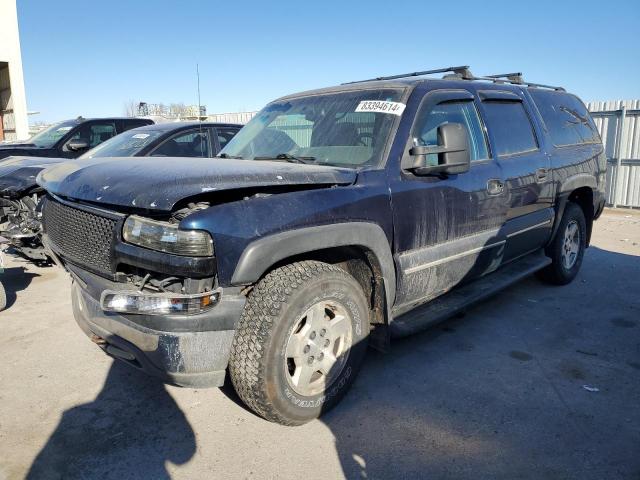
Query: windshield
point(48, 137)
point(348, 129)
point(127, 144)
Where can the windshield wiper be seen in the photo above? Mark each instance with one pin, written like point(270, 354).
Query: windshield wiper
point(289, 158)
point(226, 155)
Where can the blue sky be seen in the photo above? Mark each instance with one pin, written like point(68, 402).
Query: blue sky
point(89, 58)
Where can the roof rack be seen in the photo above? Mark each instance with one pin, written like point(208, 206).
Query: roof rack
point(463, 73)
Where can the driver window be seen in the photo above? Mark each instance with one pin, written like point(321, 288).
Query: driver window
point(425, 132)
point(94, 133)
point(192, 143)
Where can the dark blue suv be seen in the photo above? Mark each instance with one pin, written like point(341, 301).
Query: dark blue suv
point(335, 219)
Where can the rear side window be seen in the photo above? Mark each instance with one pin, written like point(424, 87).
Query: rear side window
point(511, 127)
point(566, 118)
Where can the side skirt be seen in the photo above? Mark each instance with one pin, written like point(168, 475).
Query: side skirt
point(460, 298)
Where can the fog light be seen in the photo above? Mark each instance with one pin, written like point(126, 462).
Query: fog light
point(157, 303)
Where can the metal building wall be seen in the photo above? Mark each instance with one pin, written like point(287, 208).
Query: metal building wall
point(618, 122)
point(239, 117)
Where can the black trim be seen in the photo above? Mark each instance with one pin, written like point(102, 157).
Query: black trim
point(267, 251)
point(161, 262)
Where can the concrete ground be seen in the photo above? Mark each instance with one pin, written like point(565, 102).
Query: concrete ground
point(539, 382)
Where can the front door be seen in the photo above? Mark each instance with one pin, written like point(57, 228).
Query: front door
point(446, 229)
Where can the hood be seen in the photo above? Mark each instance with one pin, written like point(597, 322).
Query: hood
point(18, 174)
point(158, 183)
point(19, 149)
point(10, 145)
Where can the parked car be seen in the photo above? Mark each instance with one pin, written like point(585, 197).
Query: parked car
point(336, 218)
point(71, 138)
point(20, 194)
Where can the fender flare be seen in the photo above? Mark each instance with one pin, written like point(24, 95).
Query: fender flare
point(564, 190)
point(578, 180)
point(264, 252)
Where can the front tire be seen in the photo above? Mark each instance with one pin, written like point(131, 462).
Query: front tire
point(567, 247)
point(300, 342)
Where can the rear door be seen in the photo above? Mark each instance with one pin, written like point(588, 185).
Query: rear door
point(516, 141)
point(446, 228)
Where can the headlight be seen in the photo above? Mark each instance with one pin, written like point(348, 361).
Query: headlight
point(158, 303)
point(166, 237)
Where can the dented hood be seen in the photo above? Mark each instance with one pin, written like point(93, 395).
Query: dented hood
point(18, 174)
point(159, 183)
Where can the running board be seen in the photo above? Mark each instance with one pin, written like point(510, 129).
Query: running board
point(458, 299)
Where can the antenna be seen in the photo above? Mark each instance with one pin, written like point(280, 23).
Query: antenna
point(199, 110)
point(198, 78)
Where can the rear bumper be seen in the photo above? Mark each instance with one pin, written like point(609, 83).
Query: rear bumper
point(186, 358)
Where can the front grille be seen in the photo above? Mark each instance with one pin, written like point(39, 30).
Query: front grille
point(80, 237)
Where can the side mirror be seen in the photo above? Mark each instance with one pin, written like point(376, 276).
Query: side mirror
point(452, 151)
point(76, 145)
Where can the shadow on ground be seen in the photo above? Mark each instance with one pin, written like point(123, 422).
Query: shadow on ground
point(501, 392)
point(496, 394)
point(131, 430)
point(14, 280)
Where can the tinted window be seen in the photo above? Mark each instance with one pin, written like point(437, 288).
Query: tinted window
point(129, 124)
point(566, 118)
point(425, 132)
point(510, 126)
point(192, 143)
point(95, 133)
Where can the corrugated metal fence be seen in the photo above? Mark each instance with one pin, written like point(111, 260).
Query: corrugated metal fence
point(237, 117)
point(619, 125)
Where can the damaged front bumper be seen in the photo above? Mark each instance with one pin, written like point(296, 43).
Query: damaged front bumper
point(185, 350)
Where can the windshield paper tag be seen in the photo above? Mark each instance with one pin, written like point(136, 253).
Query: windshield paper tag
point(381, 106)
point(140, 135)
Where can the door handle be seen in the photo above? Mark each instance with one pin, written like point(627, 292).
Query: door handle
point(541, 175)
point(495, 186)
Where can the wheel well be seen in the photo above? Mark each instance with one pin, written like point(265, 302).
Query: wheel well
point(363, 265)
point(583, 197)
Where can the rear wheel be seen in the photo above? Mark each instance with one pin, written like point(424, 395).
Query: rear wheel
point(567, 247)
point(300, 342)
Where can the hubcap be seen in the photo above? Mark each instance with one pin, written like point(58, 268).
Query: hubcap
point(571, 245)
point(318, 348)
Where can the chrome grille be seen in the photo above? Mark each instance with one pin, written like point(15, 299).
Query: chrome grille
point(80, 237)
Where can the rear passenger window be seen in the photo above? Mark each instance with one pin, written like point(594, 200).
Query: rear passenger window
point(566, 118)
point(425, 133)
point(511, 127)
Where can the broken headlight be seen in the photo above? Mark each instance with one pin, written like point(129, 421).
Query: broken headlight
point(165, 237)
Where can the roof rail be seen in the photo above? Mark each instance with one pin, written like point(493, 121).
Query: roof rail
point(463, 73)
point(516, 78)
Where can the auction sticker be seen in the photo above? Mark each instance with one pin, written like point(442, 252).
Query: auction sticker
point(140, 135)
point(381, 106)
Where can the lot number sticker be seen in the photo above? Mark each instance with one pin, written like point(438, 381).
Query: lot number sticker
point(394, 108)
